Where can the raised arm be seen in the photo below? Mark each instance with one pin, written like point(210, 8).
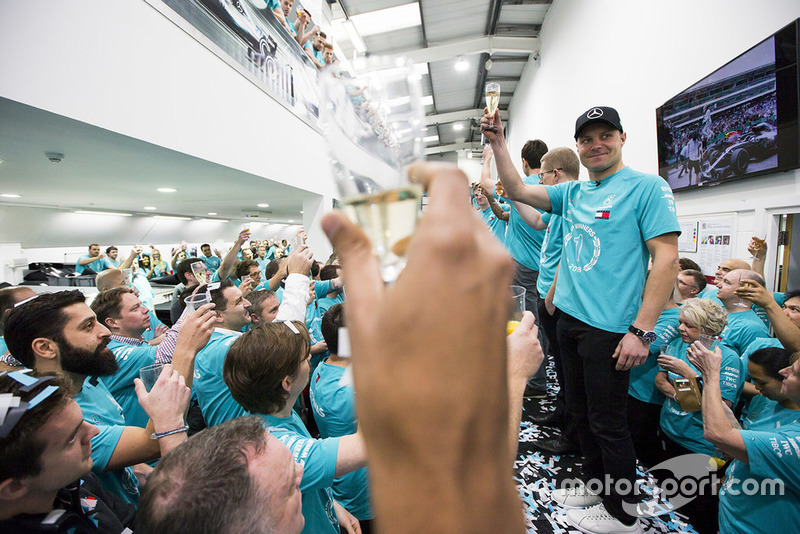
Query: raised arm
point(717, 427)
point(515, 188)
point(785, 330)
point(166, 405)
point(127, 262)
point(230, 259)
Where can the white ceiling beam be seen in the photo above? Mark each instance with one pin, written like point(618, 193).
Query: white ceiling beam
point(455, 116)
point(447, 148)
point(462, 47)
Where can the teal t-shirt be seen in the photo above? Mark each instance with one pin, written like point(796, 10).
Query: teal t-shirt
point(643, 378)
point(318, 458)
point(773, 455)
point(326, 303)
point(100, 264)
point(212, 262)
point(686, 428)
point(765, 415)
point(495, 223)
point(604, 257)
point(154, 323)
point(550, 256)
point(131, 358)
point(335, 415)
point(100, 409)
point(743, 328)
point(710, 293)
point(523, 242)
point(213, 395)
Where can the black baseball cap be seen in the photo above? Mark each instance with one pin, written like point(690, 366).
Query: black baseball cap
point(598, 114)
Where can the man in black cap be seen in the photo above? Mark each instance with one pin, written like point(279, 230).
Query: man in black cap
point(613, 224)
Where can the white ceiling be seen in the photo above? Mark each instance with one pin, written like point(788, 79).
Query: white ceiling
point(107, 171)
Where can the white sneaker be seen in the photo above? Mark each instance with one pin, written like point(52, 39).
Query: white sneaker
point(576, 497)
point(596, 520)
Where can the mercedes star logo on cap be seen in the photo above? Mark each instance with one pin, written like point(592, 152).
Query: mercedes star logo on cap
point(594, 113)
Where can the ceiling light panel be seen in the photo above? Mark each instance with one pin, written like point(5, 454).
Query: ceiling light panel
point(387, 20)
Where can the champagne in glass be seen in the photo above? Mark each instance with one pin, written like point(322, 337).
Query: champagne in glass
point(492, 99)
point(745, 280)
point(758, 244)
point(517, 308)
point(373, 122)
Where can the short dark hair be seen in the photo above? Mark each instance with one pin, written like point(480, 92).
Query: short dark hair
point(257, 299)
point(323, 34)
point(185, 267)
point(329, 272)
point(93, 245)
point(259, 360)
point(272, 268)
point(41, 317)
point(699, 278)
point(204, 245)
point(8, 300)
point(532, 152)
point(243, 267)
point(109, 304)
point(686, 263)
point(217, 297)
point(791, 294)
point(205, 486)
point(772, 359)
point(109, 249)
point(19, 450)
point(331, 322)
point(315, 269)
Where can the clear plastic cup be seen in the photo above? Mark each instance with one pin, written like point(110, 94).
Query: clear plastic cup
point(195, 301)
point(150, 374)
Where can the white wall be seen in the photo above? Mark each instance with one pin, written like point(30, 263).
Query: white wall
point(125, 67)
point(634, 55)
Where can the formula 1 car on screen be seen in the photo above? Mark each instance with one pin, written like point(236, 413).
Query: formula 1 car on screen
point(732, 156)
point(237, 15)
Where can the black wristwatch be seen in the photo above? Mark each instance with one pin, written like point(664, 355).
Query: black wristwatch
point(644, 335)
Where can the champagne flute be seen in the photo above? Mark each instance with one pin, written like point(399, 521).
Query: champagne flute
point(373, 122)
point(517, 309)
point(492, 100)
point(758, 244)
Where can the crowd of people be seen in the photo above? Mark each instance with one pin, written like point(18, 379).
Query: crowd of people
point(312, 40)
point(283, 407)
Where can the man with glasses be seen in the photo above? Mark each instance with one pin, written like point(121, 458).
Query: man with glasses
point(690, 284)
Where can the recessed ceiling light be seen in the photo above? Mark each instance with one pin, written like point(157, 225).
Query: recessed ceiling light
point(263, 205)
point(1, 161)
point(214, 220)
point(174, 217)
point(212, 212)
point(10, 195)
point(462, 64)
point(149, 208)
point(301, 212)
point(291, 221)
point(458, 127)
point(166, 190)
point(88, 212)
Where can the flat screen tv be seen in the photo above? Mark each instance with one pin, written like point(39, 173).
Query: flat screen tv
point(738, 122)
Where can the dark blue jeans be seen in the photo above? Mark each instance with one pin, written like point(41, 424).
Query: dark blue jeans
point(597, 397)
point(527, 278)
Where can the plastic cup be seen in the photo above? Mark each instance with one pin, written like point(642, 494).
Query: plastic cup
point(517, 309)
point(708, 341)
point(195, 301)
point(150, 374)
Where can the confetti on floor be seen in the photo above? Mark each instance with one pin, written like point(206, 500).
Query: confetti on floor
point(538, 473)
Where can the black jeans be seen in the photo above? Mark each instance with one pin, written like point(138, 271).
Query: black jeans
point(597, 397)
point(549, 323)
